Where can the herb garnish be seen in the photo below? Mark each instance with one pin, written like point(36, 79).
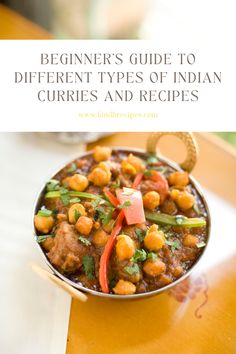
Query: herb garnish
point(152, 256)
point(72, 168)
point(148, 173)
point(152, 159)
point(75, 200)
point(42, 238)
point(104, 216)
point(139, 256)
point(125, 205)
point(141, 234)
point(116, 184)
point(173, 244)
point(84, 240)
point(131, 270)
point(53, 185)
point(44, 212)
point(201, 244)
point(89, 266)
point(128, 191)
point(65, 197)
point(76, 214)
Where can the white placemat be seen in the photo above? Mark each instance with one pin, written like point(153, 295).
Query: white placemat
point(34, 313)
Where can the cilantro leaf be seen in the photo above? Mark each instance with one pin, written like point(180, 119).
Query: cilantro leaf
point(152, 159)
point(53, 185)
point(201, 244)
point(125, 205)
point(42, 238)
point(139, 256)
point(85, 241)
point(148, 173)
point(173, 244)
point(104, 216)
point(44, 212)
point(152, 256)
point(88, 266)
point(65, 197)
point(141, 234)
point(131, 270)
point(72, 168)
point(76, 214)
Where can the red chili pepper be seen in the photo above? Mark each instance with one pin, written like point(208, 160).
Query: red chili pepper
point(137, 180)
point(112, 199)
point(103, 270)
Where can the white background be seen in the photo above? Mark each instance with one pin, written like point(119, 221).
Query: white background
point(20, 109)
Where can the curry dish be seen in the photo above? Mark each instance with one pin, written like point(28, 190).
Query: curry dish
point(120, 222)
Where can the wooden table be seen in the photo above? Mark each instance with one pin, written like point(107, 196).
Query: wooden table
point(15, 26)
point(197, 316)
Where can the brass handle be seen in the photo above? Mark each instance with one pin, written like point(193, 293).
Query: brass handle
point(189, 142)
point(76, 294)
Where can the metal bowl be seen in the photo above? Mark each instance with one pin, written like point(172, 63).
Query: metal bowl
point(188, 163)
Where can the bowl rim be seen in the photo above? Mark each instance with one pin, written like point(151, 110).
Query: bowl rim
point(82, 288)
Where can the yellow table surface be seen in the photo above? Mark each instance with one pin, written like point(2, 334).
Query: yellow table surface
point(15, 26)
point(197, 316)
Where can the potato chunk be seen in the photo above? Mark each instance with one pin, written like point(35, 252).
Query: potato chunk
point(124, 287)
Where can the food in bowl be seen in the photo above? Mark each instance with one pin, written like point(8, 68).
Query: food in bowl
point(122, 223)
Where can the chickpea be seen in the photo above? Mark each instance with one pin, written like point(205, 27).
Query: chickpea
point(136, 162)
point(61, 217)
point(124, 287)
point(185, 201)
point(178, 178)
point(154, 268)
point(100, 238)
point(174, 194)
point(190, 241)
point(109, 227)
point(127, 168)
point(125, 247)
point(101, 153)
point(43, 224)
point(151, 200)
point(84, 225)
point(72, 212)
point(154, 240)
point(101, 175)
point(77, 182)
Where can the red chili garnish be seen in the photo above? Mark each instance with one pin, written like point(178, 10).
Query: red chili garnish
point(112, 199)
point(103, 270)
point(137, 180)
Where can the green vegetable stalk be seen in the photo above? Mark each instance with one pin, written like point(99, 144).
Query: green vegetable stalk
point(177, 220)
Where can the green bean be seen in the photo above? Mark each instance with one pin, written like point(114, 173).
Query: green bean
point(178, 220)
